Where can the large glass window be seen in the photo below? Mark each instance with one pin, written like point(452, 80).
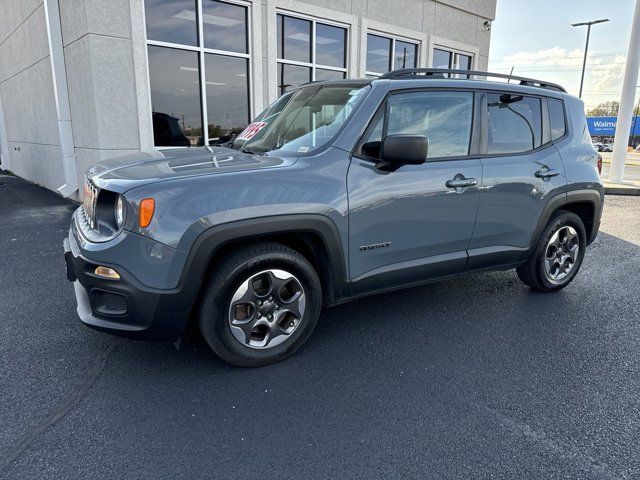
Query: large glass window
point(198, 70)
point(175, 96)
point(514, 123)
point(309, 50)
point(387, 53)
point(445, 118)
point(451, 60)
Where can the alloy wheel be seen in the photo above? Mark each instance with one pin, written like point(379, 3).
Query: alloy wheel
point(561, 254)
point(266, 309)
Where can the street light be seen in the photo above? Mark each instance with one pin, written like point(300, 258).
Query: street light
point(586, 47)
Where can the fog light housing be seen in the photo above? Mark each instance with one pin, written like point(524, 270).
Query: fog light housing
point(107, 272)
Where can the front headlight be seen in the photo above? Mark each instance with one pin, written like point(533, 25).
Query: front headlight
point(119, 211)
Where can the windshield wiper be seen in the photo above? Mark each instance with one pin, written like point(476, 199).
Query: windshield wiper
point(251, 152)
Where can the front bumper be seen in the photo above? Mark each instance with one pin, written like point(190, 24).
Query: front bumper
point(125, 307)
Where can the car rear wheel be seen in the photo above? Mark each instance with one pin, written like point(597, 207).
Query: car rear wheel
point(260, 305)
point(558, 254)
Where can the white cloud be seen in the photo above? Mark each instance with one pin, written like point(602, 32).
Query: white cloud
point(603, 78)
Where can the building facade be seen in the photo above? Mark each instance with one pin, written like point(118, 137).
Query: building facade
point(85, 80)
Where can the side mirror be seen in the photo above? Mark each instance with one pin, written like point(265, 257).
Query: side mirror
point(400, 150)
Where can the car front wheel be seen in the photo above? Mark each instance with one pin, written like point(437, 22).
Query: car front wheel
point(260, 305)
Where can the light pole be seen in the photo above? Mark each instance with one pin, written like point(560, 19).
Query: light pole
point(586, 47)
point(629, 82)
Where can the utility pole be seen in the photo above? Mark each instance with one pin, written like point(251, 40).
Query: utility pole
point(627, 100)
point(586, 47)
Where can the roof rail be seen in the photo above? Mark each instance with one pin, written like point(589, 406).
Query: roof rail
point(447, 72)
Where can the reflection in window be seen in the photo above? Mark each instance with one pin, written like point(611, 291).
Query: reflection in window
point(175, 96)
point(514, 123)
point(295, 47)
point(380, 58)
point(290, 76)
point(451, 60)
point(443, 117)
point(227, 95)
point(378, 54)
point(294, 39)
point(188, 82)
point(224, 26)
point(441, 58)
point(173, 22)
point(330, 45)
point(405, 55)
point(329, 74)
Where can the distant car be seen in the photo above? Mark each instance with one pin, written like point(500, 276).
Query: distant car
point(607, 147)
point(638, 148)
point(598, 146)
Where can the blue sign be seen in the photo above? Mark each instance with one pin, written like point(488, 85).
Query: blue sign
point(606, 126)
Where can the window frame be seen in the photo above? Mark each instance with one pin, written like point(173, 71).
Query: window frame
point(202, 51)
point(479, 124)
point(567, 126)
point(393, 39)
point(454, 53)
point(313, 65)
point(385, 105)
point(546, 141)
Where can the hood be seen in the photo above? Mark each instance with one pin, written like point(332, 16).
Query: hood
point(123, 173)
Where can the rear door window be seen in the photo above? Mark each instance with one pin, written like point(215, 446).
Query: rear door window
point(514, 123)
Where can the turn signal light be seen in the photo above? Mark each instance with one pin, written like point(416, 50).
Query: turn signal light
point(107, 272)
point(147, 207)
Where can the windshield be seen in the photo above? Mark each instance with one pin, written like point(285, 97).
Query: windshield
point(301, 121)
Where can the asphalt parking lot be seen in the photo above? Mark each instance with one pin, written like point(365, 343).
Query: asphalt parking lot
point(475, 377)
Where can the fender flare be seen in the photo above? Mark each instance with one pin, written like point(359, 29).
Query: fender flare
point(562, 200)
point(211, 240)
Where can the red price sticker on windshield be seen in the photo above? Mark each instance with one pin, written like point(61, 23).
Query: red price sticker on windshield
point(251, 130)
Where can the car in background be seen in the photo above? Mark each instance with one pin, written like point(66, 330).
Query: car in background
point(598, 146)
point(607, 147)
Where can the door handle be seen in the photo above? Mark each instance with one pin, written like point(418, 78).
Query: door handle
point(460, 182)
point(546, 172)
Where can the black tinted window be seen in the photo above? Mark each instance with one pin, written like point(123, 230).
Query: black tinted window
point(514, 123)
point(443, 117)
point(556, 119)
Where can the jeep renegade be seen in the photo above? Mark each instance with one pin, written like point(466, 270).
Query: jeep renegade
point(337, 190)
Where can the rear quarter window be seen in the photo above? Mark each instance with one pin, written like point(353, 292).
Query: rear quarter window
point(557, 119)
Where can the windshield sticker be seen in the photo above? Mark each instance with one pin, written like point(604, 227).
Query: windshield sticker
point(303, 149)
point(251, 130)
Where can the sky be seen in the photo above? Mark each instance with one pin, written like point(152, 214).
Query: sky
point(537, 39)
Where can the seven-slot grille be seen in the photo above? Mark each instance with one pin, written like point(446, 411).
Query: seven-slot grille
point(89, 202)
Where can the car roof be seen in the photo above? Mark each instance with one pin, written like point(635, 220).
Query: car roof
point(435, 77)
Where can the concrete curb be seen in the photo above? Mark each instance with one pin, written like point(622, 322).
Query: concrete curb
point(621, 190)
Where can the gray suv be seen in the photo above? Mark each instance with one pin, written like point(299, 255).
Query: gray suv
point(337, 190)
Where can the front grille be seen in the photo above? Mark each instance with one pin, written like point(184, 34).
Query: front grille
point(90, 193)
point(109, 303)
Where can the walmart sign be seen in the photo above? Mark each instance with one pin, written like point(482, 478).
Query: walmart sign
point(606, 126)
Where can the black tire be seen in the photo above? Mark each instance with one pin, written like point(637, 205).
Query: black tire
point(532, 273)
point(213, 315)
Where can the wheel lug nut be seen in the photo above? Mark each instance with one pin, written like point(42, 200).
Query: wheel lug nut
point(259, 315)
point(259, 303)
point(270, 298)
point(270, 317)
point(277, 307)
